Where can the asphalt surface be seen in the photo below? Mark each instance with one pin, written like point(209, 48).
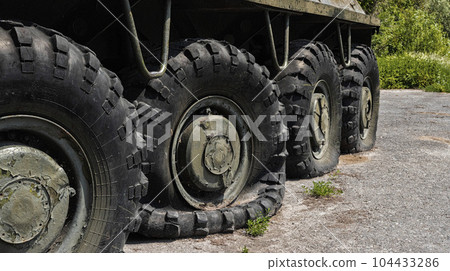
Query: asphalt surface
point(395, 198)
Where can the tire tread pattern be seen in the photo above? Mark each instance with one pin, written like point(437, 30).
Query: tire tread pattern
point(363, 62)
point(297, 84)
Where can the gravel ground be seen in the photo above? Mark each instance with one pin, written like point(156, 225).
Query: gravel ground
point(396, 198)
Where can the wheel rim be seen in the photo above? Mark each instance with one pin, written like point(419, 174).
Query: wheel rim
point(209, 162)
point(44, 192)
point(366, 110)
point(320, 122)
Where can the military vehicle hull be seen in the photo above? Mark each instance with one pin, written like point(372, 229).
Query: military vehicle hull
point(174, 118)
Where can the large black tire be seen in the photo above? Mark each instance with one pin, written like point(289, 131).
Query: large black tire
point(313, 70)
point(48, 85)
point(360, 95)
point(198, 70)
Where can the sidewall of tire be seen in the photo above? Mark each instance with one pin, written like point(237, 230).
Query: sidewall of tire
point(56, 91)
point(373, 76)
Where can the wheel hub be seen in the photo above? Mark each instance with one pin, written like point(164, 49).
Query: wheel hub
point(24, 209)
point(218, 155)
point(320, 124)
point(210, 164)
point(366, 111)
point(34, 196)
point(215, 138)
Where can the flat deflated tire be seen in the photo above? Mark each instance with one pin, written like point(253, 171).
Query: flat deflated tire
point(214, 183)
point(311, 94)
point(63, 121)
point(360, 101)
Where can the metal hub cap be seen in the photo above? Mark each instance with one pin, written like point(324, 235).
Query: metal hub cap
point(24, 209)
point(320, 124)
point(218, 155)
point(209, 163)
point(213, 138)
point(34, 195)
point(366, 111)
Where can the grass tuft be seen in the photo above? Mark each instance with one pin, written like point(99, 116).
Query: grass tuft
point(259, 225)
point(323, 188)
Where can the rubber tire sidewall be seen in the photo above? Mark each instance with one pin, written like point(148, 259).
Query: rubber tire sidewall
point(61, 100)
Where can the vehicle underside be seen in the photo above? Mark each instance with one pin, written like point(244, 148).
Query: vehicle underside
point(237, 22)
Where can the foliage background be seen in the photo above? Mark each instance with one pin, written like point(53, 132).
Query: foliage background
point(413, 45)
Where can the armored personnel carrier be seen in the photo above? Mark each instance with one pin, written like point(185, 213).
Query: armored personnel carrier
point(172, 118)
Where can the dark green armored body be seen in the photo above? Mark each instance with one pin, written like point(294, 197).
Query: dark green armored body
point(349, 11)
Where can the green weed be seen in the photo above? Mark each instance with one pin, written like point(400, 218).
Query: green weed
point(323, 188)
point(259, 225)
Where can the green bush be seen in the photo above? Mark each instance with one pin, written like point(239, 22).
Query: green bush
point(413, 45)
point(429, 72)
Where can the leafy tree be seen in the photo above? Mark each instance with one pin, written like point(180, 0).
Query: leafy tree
point(377, 6)
point(441, 10)
point(387, 5)
point(412, 46)
point(368, 5)
point(407, 27)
